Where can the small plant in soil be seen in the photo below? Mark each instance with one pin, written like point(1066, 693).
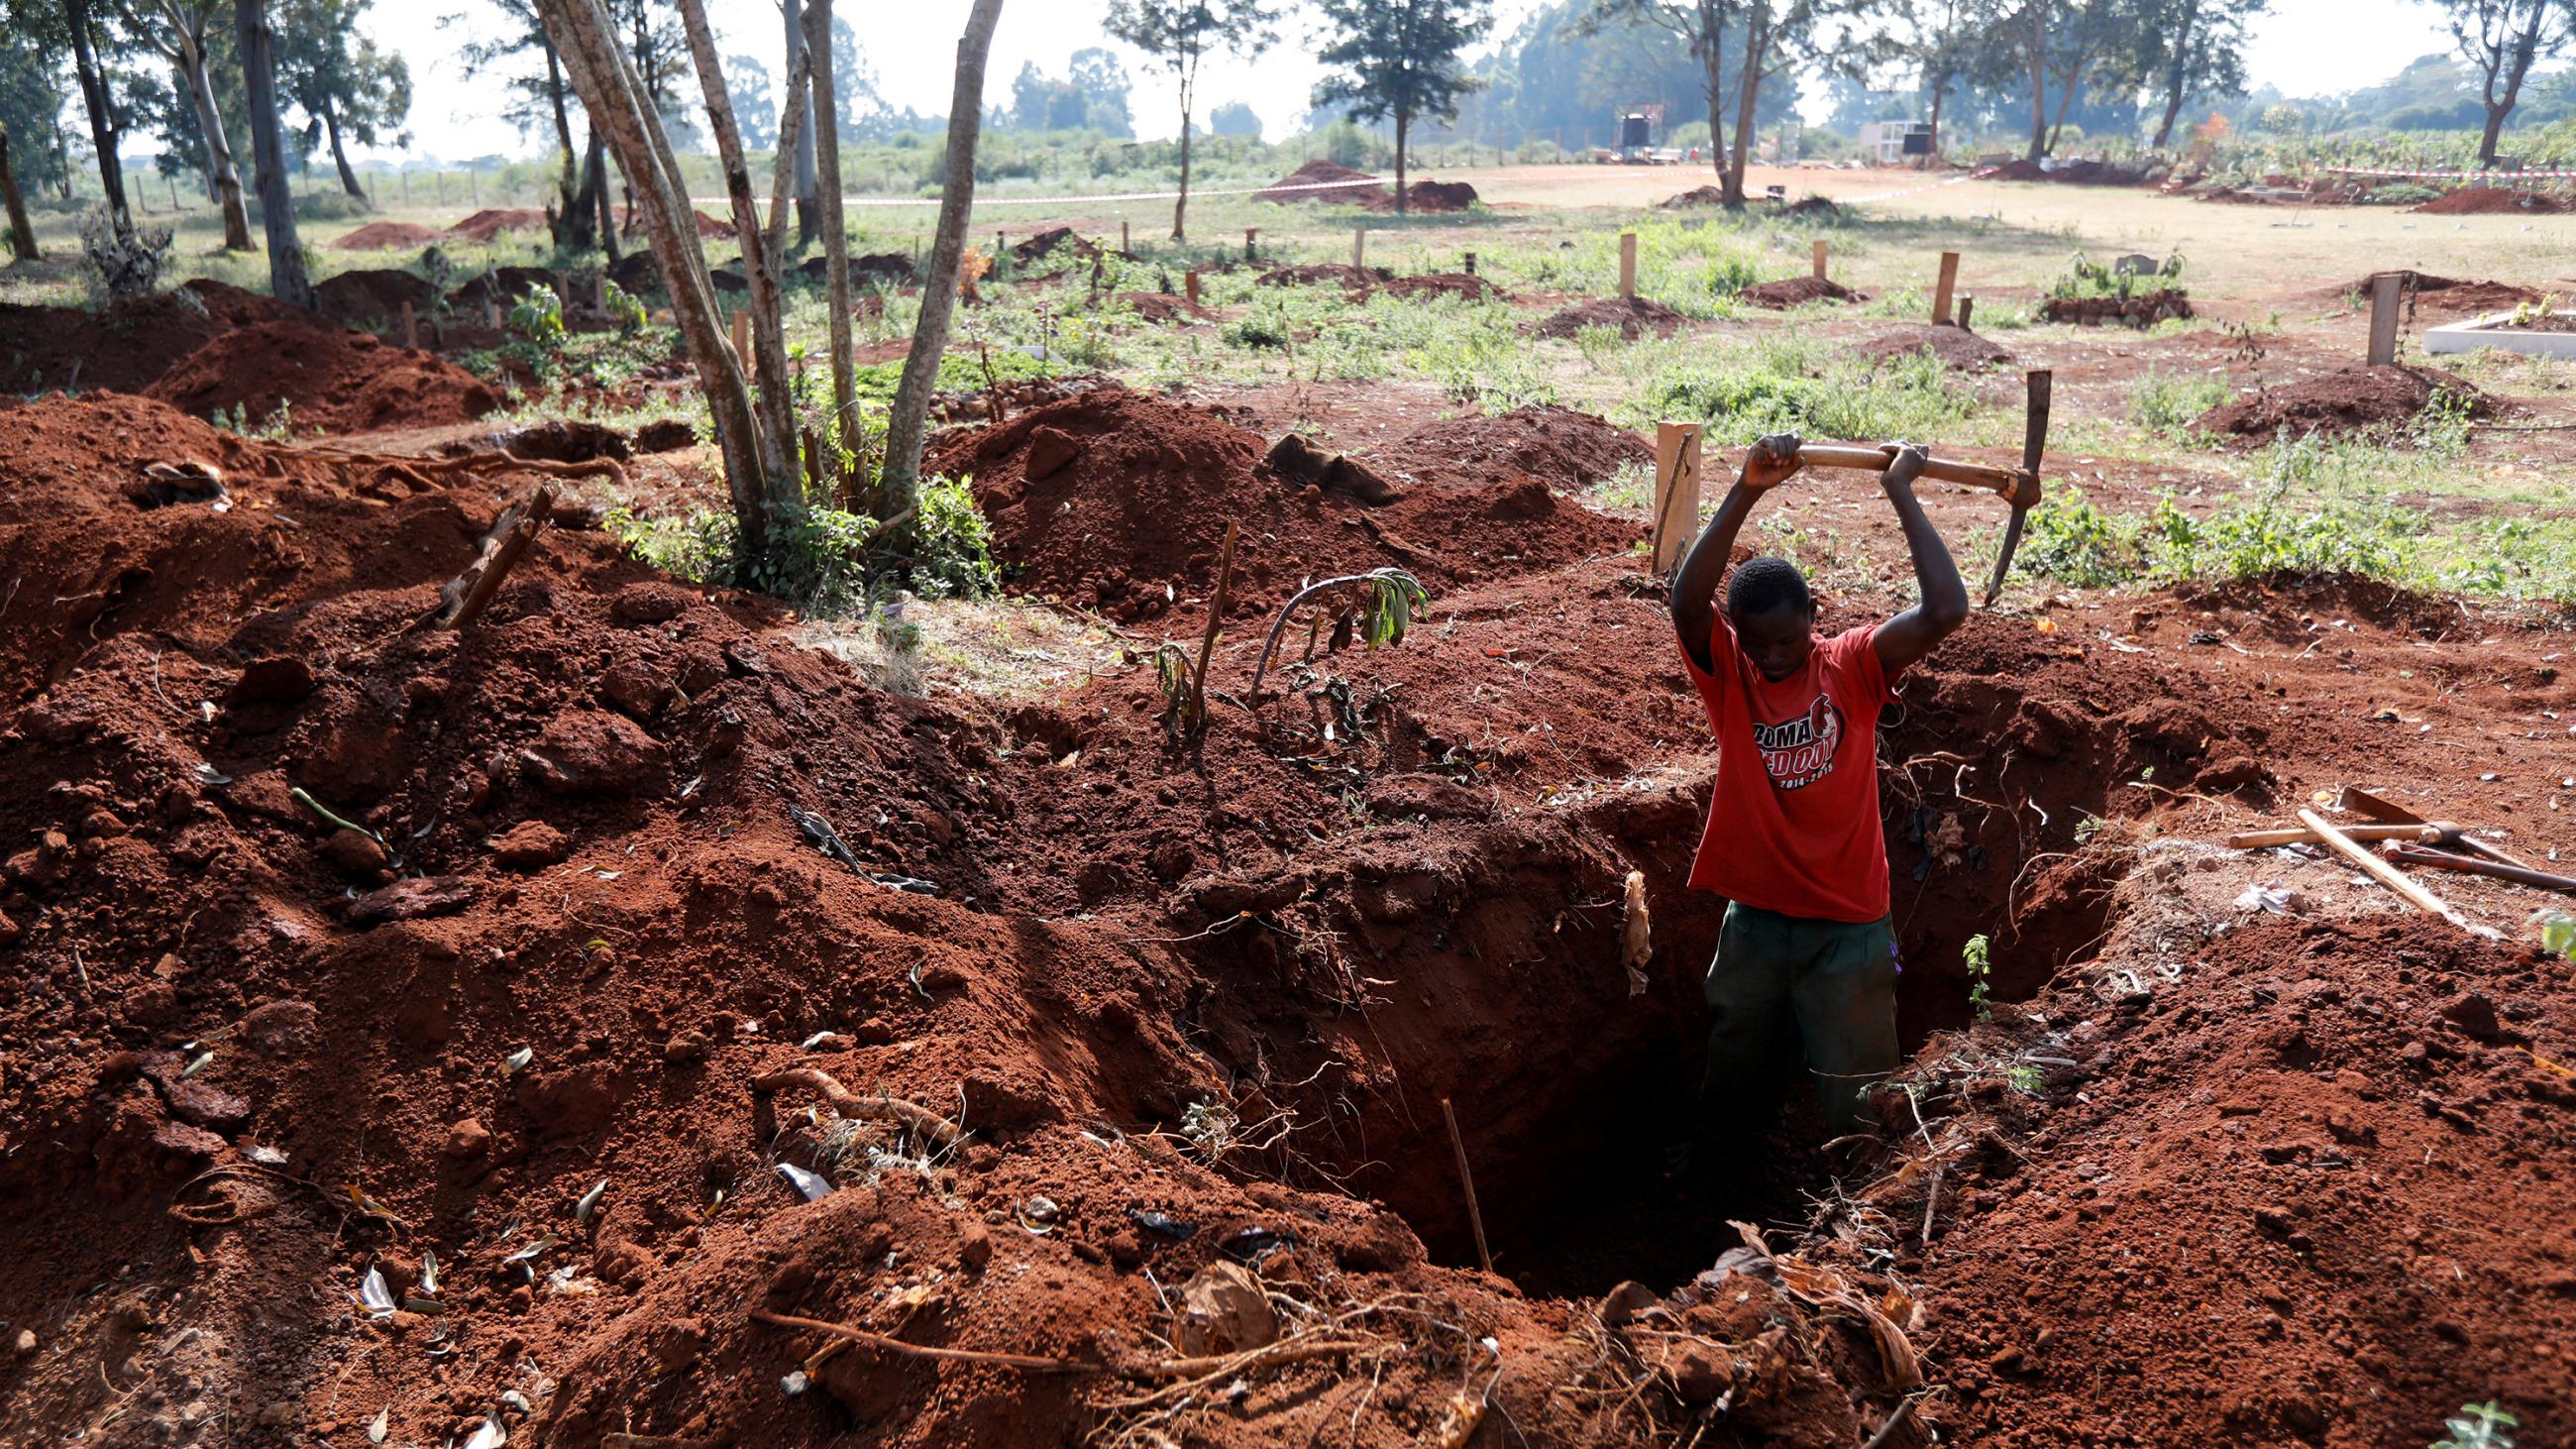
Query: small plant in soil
point(2479, 1426)
point(1377, 607)
point(1976, 956)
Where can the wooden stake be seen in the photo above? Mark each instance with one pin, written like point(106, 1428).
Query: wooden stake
point(1471, 264)
point(411, 328)
point(1942, 289)
point(1123, 244)
point(1248, 233)
point(1820, 259)
point(1677, 460)
point(1190, 284)
point(1467, 1180)
point(1359, 247)
point(2380, 870)
point(467, 595)
point(1216, 620)
point(2383, 318)
point(1967, 309)
point(1627, 265)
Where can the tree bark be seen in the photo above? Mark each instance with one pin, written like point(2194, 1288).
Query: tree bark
point(187, 50)
point(618, 106)
point(2177, 76)
point(2515, 64)
point(1940, 88)
point(791, 136)
point(901, 480)
point(2038, 78)
point(22, 235)
point(1189, 70)
point(809, 220)
point(768, 344)
point(1748, 96)
point(595, 192)
point(1713, 44)
point(286, 276)
point(836, 231)
point(339, 156)
point(1403, 124)
point(103, 132)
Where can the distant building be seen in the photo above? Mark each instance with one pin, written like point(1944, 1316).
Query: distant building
point(1892, 143)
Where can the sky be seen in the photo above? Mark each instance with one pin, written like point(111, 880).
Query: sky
point(2305, 47)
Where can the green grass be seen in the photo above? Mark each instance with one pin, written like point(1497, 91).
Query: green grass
point(1787, 384)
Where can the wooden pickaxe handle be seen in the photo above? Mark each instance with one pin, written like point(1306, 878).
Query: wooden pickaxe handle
point(2018, 487)
point(2418, 832)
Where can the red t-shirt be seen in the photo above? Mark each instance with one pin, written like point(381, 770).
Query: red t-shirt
point(1793, 826)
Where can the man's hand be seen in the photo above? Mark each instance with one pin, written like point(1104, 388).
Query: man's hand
point(1771, 463)
point(1904, 468)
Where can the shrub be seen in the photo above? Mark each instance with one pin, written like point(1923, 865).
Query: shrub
point(2168, 403)
point(123, 264)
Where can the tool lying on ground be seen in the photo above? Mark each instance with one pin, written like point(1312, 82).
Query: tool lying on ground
point(2381, 871)
point(2389, 812)
point(2016, 486)
point(2443, 860)
point(2430, 832)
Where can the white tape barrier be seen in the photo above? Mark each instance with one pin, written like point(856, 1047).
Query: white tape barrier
point(2500, 178)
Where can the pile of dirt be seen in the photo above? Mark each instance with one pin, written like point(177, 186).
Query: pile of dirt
point(1956, 347)
point(1434, 197)
point(2366, 401)
point(1166, 308)
point(1814, 208)
point(2445, 294)
point(488, 224)
point(1633, 316)
point(129, 345)
point(1698, 196)
point(1467, 285)
point(2493, 201)
point(373, 295)
point(2144, 309)
point(340, 382)
point(2074, 173)
point(1038, 247)
point(1798, 292)
point(866, 271)
point(501, 286)
point(1117, 500)
point(377, 235)
point(1357, 279)
point(1563, 448)
point(1315, 181)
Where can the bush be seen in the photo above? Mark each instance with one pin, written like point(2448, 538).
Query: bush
point(827, 561)
point(124, 265)
point(1913, 396)
point(2168, 403)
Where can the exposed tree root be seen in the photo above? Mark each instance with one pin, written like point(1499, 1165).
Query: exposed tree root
point(875, 1106)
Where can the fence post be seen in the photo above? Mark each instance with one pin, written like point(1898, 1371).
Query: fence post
point(1627, 265)
point(1942, 289)
point(2384, 293)
point(1677, 458)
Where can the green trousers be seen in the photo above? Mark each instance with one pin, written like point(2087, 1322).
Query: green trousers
point(1779, 981)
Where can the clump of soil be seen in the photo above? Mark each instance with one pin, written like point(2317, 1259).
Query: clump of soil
point(1166, 308)
point(1633, 316)
point(1315, 180)
point(488, 224)
point(2446, 294)
point(1117, 500)
point(1698, 196)
point(1358, 279)
point(333, 380)
point(1816, 208)
point(1447, 284)
point(865, 271)
point(2142, 310)
point(2369, 401)
point(1426, 196)
point(1035, 248)
point(384, 234)
point(501, 285)
point(1956, 347)
point(1560, 447)
point(129, 345)
point(1798, 292)
point(374, 294)
point(2493, 201)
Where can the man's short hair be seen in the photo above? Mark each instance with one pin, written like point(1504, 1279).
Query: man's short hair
point(1761, 585)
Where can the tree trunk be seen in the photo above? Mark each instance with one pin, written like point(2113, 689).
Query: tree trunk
point(595, 189)
point(1189, 83)
point(577, 210)
point(1940, 88)
point(2038, 78)
point(809, 220)
point(1403, 124)
point(225, 175)
point(836, 232)
point(2073, 86)
point(340, 157)
point(102, 116)
point(617, 106)
point(2517, 64)
point(900, 485)
point(1748, 95)
point(760, 276)
point(791, 129)
point(2177, 77)
point(286, 276)
point(22, 235)
point(1713, 57)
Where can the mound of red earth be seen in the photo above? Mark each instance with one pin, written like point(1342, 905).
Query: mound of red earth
point(1814, 208)
point(2366, 401)
point(1307, 274)
point(1698, 196)
point(1118, 500)
point(1446, 284)
point(376, 235)
point(501, 286)
point(2446, 294)
point(1165, 308)
point(373, 295)
point(1426, 196)
point(1956, 347)
point(337, 381)
point(1560, 447)
point(2145, 309)
point(1323, 180)
point(1633, 316)
point(2494, 201)
point(488, 224)
point(1798, 292)
point(129, 345)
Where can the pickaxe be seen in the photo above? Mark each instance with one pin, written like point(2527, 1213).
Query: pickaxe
point(2016, 486)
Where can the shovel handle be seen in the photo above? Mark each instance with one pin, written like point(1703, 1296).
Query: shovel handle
point(2017, 487)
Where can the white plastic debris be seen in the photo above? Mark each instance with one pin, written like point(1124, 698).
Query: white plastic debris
point(377, 1299)
point(2280, 900)
point(813, 1185)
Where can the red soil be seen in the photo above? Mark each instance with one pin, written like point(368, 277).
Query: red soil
point(1798, 292)
point(1166, 308)
point(1358, 279)
point(488, 224)
point(1434, 197)
point(1362, 186)
point(377, 235)
point(2145, 309)
point(2356, 400)
point(1560, 447)
point(1447, 284)
point(126, 347)
point(2493, 201)
point(2446, 294)
point(374, 296)
point(1117, 500)
point(332, 380)
point(1633, 316)
point(1956, 347)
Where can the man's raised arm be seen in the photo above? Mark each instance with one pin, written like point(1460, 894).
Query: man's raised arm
point(1943, 606)
point(1694, 592)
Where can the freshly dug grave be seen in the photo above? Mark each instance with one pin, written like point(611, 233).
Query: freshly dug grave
point(1434, 197)
point(488, 224)
point(866, 271)
point(126, 347)
point(376, 235)
point(2368, 401)
point(1956, 347)
point(1308, 274)
point(2444, 294)
point(1038, 247)
point(2493, 201)
point(1166, 308)
point(337, 381)
point(373, 295)
point(1798, 292)
point(1563, 448)
point(1698, 196)
point(1117, 500)
point(2143, 310)
point(501, 286)
point(1465, 285)
point(1633, 316)
point(1314, 182)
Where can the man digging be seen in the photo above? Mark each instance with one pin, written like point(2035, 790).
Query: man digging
point(1793, 839)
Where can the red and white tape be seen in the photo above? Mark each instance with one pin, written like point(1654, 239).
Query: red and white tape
point(2499, 177)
